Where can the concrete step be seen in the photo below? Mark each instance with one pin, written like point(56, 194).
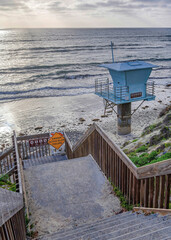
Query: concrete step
point(104, 227)
point(160, 234)
point(119, 227)
point(87, 227)
point(152, 228)
point(122, 229)
point(43, 160)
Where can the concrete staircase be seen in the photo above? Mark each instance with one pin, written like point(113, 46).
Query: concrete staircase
point(119, 227)
point(43, 160)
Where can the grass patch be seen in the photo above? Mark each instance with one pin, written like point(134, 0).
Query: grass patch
point(135, 140)
point(146, 158)
point(119, 194)
point(143, 148)
point(6, 183)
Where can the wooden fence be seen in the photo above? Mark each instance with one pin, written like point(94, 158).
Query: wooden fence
point(147, 186)
point(37, 150)
point(7, 164)
point(13, 220)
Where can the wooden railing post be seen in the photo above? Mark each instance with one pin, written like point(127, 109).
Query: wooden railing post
point(15, 163)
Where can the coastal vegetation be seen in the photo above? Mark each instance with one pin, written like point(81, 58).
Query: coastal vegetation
point(154, 144)
point(6, 183)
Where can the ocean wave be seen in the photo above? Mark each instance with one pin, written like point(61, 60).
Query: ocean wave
point(81, 48)
point(43, 89)
point(40, 67)
point(47, 94)
point(46, 76)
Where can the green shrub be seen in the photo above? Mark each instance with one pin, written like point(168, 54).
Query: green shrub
point(143, 148)
point(152, 155)
point(167, 145)
point(165, 156)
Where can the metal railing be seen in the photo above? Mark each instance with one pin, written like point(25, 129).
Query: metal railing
point(150, 90)
point(105, 89)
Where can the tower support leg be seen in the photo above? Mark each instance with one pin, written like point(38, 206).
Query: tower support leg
point(124, 118)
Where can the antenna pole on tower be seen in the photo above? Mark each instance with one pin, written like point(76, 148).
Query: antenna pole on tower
point(112, 51)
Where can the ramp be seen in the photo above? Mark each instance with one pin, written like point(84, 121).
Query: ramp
point(68, 193)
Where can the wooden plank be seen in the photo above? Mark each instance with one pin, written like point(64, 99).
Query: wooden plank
point(122, 177)
point(138, 185)
point(162, 188)
point(162, 212)
point(127, 189)
point(142, 193)
point(155, 169)
point(116, 148)
point(151, 191)
point(167, 191)
point(146, 192)
point(134, 190)
point(112, 165)
point(157, 186)
point(84, 137)
point(103, 155)
point(28, 137)
point(6, 153)
point(130, 186)
point(125, 180)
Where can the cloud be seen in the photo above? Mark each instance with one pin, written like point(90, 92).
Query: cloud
point(10, 5)
point(85, 12)
point(124, 4)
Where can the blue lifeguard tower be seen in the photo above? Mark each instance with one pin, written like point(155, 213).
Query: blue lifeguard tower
point(129, 84)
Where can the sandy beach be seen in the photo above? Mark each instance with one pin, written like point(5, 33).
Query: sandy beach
point(74, 113)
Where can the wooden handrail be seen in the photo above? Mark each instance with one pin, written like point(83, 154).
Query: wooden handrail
point(147, 186)
point(6, 153)
point(41, 135)
point(151, 170)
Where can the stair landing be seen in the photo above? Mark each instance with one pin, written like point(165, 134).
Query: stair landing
point(69, 193)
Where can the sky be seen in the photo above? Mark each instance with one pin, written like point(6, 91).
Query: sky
point(84, 13)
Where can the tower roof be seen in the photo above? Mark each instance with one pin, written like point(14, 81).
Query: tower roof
point(128, 66)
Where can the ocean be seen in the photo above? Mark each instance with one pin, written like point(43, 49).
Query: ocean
point(37, 63)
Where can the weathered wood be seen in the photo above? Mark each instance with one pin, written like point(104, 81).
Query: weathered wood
point(116, 148)
point(162, 188)
point(142, 193)
point(156, 197)
point(41, 135)
point(17, 165)
point(155, 169)
point(162, 212)
point(137, 184)
point(167, 191)
point(146, 192)
point(6, 153)
point(130, 187)
point(151, 192)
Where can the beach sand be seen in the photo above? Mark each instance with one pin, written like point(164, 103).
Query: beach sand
point(76, 114)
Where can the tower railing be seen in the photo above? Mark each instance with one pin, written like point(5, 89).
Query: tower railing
point(104, 88)
point(150, 88)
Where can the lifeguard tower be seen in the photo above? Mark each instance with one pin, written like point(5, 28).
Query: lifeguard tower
point(129, 84)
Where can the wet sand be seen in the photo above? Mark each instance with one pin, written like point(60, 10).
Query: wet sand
point(74, 113)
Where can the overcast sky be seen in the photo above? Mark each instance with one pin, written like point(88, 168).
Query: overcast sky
point(85, 13)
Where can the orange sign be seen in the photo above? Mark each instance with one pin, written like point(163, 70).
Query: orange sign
point(57, 140)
